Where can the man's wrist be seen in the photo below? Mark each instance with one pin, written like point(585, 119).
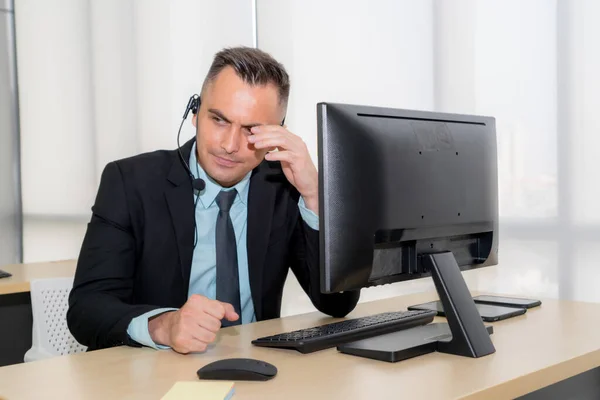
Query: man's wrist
point(158, 328)
point(312, 203)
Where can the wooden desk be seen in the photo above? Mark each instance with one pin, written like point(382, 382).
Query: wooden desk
point(23, 274)
point(546, 345)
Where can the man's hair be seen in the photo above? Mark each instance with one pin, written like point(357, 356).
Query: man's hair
point(254, 67)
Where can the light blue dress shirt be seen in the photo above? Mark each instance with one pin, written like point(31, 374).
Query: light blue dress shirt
point(203, 276)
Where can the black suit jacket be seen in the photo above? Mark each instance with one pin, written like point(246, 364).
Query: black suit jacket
point(137, 252)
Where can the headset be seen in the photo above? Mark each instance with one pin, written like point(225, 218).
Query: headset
point(193, 105)
point(198, 184)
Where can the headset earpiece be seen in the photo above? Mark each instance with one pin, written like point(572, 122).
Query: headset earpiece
point(195, 104)
point(192, 105)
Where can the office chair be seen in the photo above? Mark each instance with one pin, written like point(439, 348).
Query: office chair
point(49, 304)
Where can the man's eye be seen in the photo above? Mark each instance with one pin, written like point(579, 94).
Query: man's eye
point(218, 120)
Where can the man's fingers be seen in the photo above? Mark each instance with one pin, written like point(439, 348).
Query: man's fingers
point(190, 345)
point(230, 313)
point(211, 323)
point(215, 308)
point(282, 133)
point(281, 142)
point(286, 156)
point(204, 335)
point(268, 128)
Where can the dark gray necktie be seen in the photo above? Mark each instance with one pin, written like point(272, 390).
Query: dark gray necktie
point(228, 282)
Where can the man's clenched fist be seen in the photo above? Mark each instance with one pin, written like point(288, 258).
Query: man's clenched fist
point(193, 327)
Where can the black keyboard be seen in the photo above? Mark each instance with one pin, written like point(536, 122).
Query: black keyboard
point(331, 335)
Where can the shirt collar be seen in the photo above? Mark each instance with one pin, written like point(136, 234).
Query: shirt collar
point(212, 189)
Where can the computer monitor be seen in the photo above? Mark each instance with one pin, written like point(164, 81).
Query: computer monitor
point(409, 194)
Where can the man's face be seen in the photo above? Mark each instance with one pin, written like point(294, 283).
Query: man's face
point(230, 108)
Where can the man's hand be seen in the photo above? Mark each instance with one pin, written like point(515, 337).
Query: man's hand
point(295, 160)
point(193, 327)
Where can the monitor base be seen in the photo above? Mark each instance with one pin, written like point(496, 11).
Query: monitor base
point(468, 334)
point(402, 345)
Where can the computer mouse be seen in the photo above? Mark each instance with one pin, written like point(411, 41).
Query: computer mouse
point(238, 369)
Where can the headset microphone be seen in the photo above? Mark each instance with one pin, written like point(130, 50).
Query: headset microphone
point(198, 184)
point(192, 105)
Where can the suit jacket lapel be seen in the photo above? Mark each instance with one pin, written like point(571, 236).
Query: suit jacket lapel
point(261, 200)
point(180, 201)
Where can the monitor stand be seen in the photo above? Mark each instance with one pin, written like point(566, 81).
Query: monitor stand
point(464, 334)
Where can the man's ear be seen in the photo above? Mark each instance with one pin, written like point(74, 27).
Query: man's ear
point(195, 120)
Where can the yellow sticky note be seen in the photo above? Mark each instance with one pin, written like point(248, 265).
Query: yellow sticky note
point(205, 390)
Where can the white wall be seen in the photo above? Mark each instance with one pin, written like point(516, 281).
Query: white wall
point(583, 103)
point(57, 124)
point(375, 53)
point(102, 80)
point(516, 81)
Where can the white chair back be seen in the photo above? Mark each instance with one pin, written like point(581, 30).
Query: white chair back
point(49, 304)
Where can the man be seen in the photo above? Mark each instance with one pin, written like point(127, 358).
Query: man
point(165, 265)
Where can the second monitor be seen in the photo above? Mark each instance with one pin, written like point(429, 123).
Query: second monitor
point(405, 195)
